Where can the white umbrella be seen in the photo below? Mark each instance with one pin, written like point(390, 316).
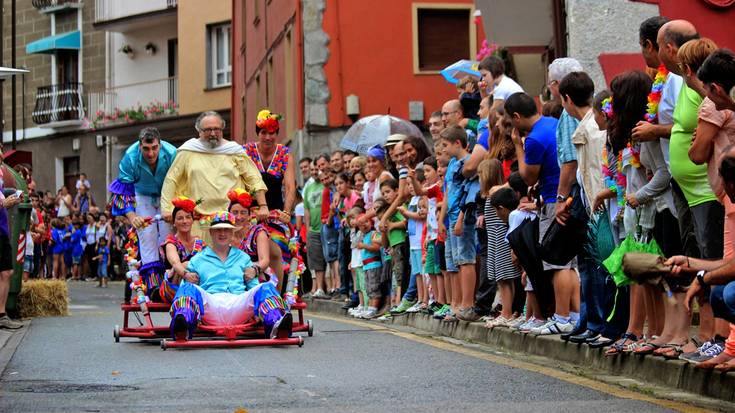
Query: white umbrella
point(374, 130)
point(9, 71)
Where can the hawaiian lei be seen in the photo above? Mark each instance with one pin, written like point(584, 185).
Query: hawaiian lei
point(655, 96)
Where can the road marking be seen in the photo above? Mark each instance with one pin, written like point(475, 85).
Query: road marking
point(546, 371)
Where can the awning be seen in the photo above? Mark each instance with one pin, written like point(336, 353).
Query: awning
point(66, 41)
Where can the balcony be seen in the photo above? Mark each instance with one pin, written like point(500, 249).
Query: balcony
point(59, 106)
point(134, 102)
point(53, 6)
point(126, 16)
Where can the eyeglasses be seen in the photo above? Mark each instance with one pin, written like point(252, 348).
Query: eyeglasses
point(211, 130)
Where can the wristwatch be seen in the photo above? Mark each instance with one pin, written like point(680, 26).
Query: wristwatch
point(561, 198)
point(700, 278)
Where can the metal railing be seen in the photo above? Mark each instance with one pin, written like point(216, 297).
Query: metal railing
point(114, 9)
point(45, 4)
point(134, 95)
point(57, 103)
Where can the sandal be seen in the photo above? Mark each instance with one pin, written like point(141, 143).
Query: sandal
point(726, 366)
point(646, 349)
point(620, 345)
point(672, 350)
point(633, 346)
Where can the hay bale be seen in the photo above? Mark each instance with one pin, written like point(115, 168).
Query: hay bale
point(44, 298)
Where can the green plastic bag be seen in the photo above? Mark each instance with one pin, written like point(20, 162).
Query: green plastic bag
point(614, 263)
point(600, 240)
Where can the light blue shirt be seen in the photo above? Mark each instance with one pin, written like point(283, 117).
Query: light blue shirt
point(565, 150)
point(216, 276)
point(134, 169)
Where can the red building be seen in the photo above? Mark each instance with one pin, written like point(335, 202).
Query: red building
point(307, 59)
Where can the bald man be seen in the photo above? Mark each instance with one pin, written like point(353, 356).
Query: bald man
point(451, 113)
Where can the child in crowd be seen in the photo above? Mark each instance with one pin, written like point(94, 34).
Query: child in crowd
point(358, 273)
point(103, 258)
point(416, 216)
point(330, 232)
point(83, 181)
point(358, 180)
point(58, 246)
point(370, 247)
point(461, 252)
point(441, 240)
point(501, 200)
point(395, 238)
point(525, 210)
point(357, 165)
point(77, 249)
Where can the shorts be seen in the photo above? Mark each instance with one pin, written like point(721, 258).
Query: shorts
point(462, 250)
point(28, 264)
point(439, 256)
point(76, 259)
point(360, 285)
point(398, 265)
point(6, 254)
point(102, 270)
point(314, 253)
point(330, 244)
point(431, 266)
point(709, 226)
point(415, 260)
point(547, 215)
point(373, 282)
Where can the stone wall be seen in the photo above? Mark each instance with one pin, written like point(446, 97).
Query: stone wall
point(607, 26)
point(316, 54)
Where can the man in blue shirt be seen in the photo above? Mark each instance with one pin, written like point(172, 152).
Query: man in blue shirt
point(136, 193)
point(537, 164)
point(221, 288)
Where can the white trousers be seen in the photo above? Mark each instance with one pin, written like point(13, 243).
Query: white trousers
point(151, 237)
point(224, 309)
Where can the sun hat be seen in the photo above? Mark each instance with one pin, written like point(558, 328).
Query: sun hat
point(394, 139)
point(221, 219)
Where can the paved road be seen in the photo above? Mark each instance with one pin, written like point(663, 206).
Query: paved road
point(72, 364)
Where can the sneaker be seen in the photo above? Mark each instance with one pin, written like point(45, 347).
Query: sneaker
point(368, 314)
point(439, 314)
point(402, 307)
point(709, 350)
point(6, 322)
point(516, 325)
point(282, 328)
point(414, 308)
point(320, 294)
point(385, 317)
point(553, 327)
point(352, 311)
point(531, 324)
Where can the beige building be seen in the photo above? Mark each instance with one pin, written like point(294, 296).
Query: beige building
point(137, 63)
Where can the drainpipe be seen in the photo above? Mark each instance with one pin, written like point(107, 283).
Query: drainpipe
point(13, 83)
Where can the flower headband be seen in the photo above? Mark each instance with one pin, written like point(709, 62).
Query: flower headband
point(241, 197)
point(606, 107)
point(186, 204)
point(267, 121)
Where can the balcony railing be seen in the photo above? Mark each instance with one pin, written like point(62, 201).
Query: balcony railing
point(47, 5)
point(106, 10)
point(151, 98)
point(59, 103)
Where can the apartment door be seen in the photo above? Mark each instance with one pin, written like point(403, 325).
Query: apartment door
point(71, 173)
point(173, 69)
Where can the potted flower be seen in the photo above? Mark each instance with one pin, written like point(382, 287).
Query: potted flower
point(150, 48)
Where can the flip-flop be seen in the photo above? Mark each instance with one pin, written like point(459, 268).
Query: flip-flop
point(674, 350)
point(619, 345)
point(646, 349)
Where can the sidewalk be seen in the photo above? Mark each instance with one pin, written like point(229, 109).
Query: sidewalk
point(9, 342)
point(675, 374)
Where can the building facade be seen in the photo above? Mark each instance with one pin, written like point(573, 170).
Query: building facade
point(131, 53)
point(326, 63)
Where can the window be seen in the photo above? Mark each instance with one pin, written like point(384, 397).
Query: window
point(71, 173)
point(442, 34)
point(219, 64)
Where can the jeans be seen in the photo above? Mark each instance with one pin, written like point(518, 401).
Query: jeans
point(487, 289)
point(722, 299)
point(412, 290)
point(345, 254)
point(592, 277)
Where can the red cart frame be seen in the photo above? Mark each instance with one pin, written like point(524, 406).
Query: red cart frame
point(241, 335)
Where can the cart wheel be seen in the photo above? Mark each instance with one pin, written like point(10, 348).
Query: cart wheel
point(310, 324)
point(301, 341)
point(116, 333)
point(163, 344)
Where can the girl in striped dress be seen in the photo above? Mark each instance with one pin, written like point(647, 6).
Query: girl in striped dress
point(499, 263)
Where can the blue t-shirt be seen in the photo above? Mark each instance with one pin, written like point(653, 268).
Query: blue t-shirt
point(484, 139)
point(216, 276)
point(104, 253)
point(76, 243)
point(454, 183)
point(540, 148)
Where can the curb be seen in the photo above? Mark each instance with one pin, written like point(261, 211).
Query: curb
point(676, 374)
point(9, 343)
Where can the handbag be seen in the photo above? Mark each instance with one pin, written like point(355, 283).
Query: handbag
point(562, 243)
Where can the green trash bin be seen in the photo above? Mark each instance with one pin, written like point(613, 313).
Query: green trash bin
point(18, 221)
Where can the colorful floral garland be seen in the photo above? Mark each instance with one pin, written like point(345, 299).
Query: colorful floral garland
point(606, 107)
point(655, 96)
